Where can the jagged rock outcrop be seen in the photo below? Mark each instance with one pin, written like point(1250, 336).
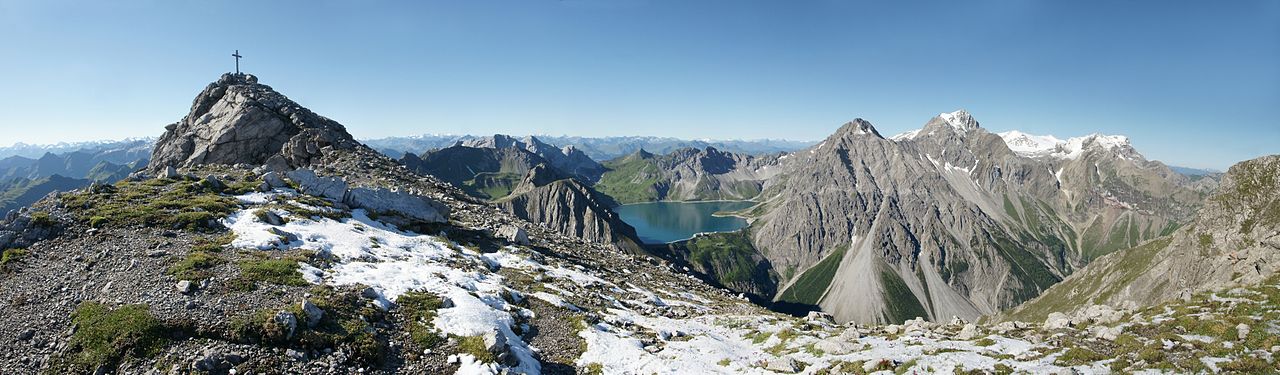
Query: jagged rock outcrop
point(569, 207)
point(566, 159)
point(686, 174)
point(238, 120)
point(1233, 240)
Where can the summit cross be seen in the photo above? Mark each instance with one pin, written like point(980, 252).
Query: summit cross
point(237, 56)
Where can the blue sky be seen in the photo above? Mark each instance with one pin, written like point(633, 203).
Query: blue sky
point(1192, 83)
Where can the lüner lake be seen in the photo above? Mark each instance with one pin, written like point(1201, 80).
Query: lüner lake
point(664, 222)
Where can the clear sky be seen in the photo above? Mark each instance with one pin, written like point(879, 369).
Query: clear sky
point(1193, 83)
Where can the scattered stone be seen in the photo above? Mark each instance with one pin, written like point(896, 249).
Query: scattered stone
point(969, 332)
point(370, 293)
point(214, 183)
point(821, 318)
point(274, 180)
point(1107, 333)
point(313, 313)
point(170, 172)
point(271, 218)
point(513, 234)
point(835, 346)
point(784, 364)
point(1057, 320)
point(157, 253)
point(210, 360)
point(287, 321)
point(285, 237)
point(296, 356)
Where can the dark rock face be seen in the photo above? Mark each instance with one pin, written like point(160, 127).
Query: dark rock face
point(238, 120)
point(569, 207)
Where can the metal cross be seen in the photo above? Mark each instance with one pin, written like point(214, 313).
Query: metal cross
point(237, 56)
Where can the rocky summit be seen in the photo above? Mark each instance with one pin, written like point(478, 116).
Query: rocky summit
point(238, 120)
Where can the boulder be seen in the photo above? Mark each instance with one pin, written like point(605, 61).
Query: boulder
point(513, 234)
point(411, 206)
point(309, 183)
point(185, 287)
point(270, 217)
point(170, 172)
point(820, 318)
point(835, 346)
point(784, 364)
point(287, 322)
point(1107, 333)
point(313, 313)
point(274, 180)
point(1057, 320)
point(969, 332)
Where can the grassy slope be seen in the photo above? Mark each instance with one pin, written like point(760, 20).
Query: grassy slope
point(813, 283)
point(1094, 288)
point(630, 180)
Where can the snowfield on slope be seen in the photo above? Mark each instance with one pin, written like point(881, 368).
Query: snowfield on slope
point(642, 331)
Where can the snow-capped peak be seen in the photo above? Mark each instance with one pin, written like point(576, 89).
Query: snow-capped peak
point(1030, 145)
point(906, 135)
point(959, 120)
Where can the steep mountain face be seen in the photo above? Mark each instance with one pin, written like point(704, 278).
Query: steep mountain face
point(950, 220)
point(238, 120)
point(567, 159)
point(686, 174)
point(488, 173)
point(569, 207)
point(1233, 240)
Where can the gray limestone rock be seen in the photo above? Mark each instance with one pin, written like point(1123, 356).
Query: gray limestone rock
point(287, 322)
point(513, 234)
point(237, 120)
point(313, 313)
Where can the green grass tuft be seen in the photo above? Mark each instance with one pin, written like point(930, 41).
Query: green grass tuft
point(105, 337)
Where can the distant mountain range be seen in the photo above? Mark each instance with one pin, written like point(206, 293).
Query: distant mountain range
point(598, 148)
point(25, 179)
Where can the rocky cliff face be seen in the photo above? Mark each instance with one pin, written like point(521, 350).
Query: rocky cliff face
point(569, 207)
point(238, 120)
point(567, 159)
point(1234, 240)
point(687, 174)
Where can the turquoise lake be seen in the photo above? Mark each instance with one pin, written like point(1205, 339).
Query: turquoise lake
point(663, 222)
